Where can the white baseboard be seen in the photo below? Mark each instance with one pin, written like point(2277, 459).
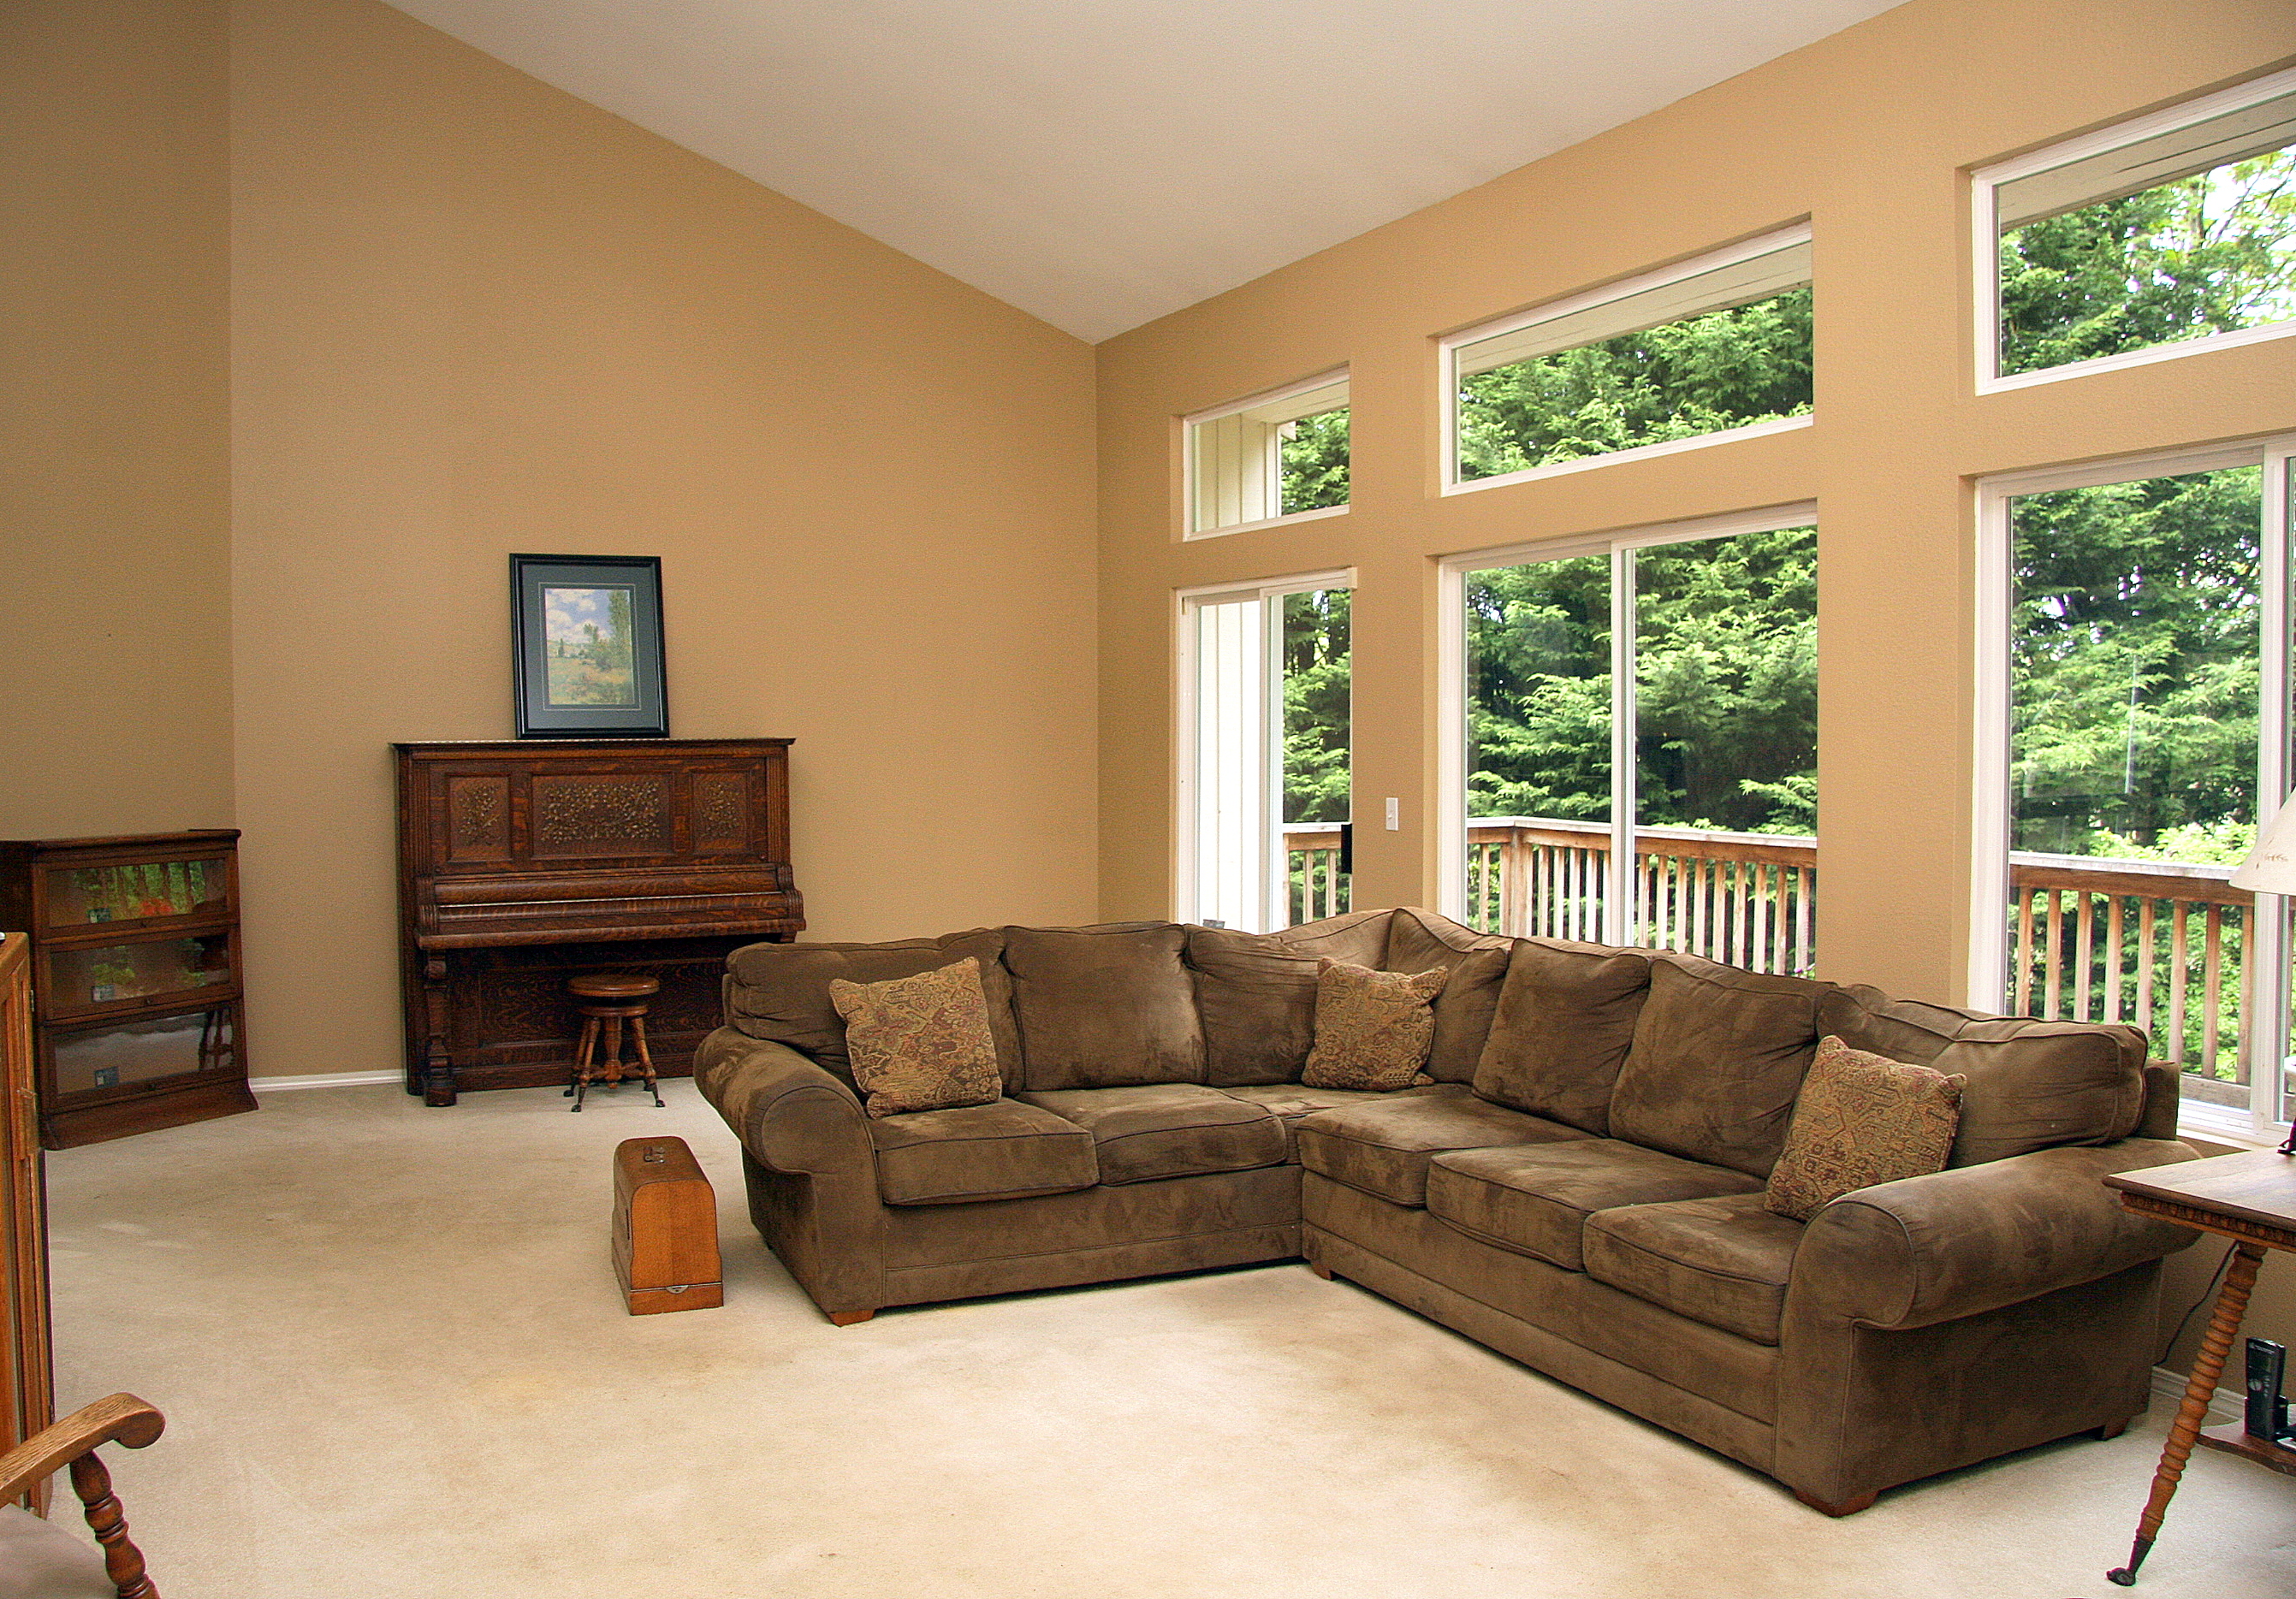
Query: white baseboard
point(2229, 1405)
point(329, 1079)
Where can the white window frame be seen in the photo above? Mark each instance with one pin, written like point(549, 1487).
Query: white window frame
point(1768, 243)
point(2266, 950)
point(1451, 692)
point(1266, 401)
point(1275, 906)
point(1985, 237)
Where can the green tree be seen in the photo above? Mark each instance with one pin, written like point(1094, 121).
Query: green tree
point(1318, 686)
point(1723, 369)
point(2208, 254)
point(1314, 452)
point(2134, 665)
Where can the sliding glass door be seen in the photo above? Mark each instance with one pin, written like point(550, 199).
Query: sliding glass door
point(1265, 766)
point(2138, 623)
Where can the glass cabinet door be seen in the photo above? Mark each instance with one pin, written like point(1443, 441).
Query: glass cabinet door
point(136, 891)
point(146, 969)
point(141, 1052)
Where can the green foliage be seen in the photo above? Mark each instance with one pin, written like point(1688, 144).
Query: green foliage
point(1725, 369)
point(1538, 690)
point(2134, 664)
point(1314, 462)
point(2208, 254)
point(1317, 705)
point(1726, 685)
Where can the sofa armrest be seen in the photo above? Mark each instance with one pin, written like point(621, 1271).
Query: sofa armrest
point(790, 1114)
point(1975, 1238)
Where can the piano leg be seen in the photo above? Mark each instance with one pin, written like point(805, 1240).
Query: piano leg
point(437, 1065)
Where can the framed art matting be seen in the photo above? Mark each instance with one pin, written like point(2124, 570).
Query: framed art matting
point(586, 631)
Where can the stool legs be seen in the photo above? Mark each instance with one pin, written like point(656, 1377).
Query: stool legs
point(598, 1055)
point(645, 1060)
point(585, 1051)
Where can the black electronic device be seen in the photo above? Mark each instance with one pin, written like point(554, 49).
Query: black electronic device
point(2267, 1405)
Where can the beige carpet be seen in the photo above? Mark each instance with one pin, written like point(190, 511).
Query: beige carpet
point(395, 1363)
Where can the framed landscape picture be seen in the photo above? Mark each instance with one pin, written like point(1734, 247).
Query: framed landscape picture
point(588, 635)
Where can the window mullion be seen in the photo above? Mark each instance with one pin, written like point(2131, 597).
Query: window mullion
point(1618, 914)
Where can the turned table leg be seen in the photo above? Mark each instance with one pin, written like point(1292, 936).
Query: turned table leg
point(2231, 1305)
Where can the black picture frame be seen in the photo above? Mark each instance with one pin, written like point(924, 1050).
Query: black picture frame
point(587, 639)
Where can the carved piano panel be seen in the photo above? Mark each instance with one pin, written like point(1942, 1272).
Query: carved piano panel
point(523, 864)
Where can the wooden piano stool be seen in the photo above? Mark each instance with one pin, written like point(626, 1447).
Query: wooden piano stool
point(617, 1002)
point(665, 1228)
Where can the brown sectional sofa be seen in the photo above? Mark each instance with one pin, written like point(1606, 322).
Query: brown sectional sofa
point(1579, 1186)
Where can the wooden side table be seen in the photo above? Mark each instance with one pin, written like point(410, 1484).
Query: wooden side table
point(2250, 1198)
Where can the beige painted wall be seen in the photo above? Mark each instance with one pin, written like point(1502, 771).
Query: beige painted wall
point(472, 316)
point(1868, 134)
point(114, 466)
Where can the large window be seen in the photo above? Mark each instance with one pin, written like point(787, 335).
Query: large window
point(2137, 627)
point(2163, 235)
point(1279, 456)
point(1635, 739)
point(1265, 769)
point(1715, 347)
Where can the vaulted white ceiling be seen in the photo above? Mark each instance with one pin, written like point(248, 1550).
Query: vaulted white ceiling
point(1100, 162)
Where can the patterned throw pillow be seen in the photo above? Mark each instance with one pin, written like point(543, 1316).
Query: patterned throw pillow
point(1862, 1119)
point(1373, 1028)
point(920, 1042)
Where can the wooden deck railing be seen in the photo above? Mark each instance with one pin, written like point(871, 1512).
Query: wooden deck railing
point(1746, 899)
point(2158, 945)
point(1311, 861)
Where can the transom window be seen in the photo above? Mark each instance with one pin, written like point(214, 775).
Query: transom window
point(1716, 348)
point(2150, 240)
point(1279, 456)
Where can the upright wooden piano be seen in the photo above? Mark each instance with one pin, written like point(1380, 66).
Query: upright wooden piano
point(522, 864)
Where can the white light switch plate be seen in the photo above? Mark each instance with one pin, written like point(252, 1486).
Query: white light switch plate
point(1395, 816)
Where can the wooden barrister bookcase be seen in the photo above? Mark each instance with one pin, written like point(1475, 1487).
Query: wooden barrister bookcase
point(136, 980)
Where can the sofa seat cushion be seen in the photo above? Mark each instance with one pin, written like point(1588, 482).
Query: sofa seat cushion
point(998, 1150)
point(1382, 1147)
point(1534, 1199)
point(1168, 1130)
point(1288, 1102)
point(1721, 1261)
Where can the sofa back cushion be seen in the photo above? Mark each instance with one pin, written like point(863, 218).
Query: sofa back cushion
point(1717, 1056)
point(1476, 965)
point(1255, 996)
point(1359, 937)
point(781, 991)
point(2032, 1085)
point(1105, 1007)
point(1565, 1019)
